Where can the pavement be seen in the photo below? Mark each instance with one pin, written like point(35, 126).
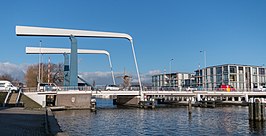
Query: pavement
point(23, 122)
point(19, 121)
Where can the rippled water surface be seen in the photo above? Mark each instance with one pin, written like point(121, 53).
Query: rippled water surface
point(109, 120)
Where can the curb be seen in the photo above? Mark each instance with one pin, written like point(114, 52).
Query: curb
point(51, 125)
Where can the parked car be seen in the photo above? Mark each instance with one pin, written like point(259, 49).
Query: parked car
point(48, 87)
point(260, 89)
point(227, 88)
point(112, 88)
point(6, 86)
point(191, 89)
point(134, 87)
point(168, 88)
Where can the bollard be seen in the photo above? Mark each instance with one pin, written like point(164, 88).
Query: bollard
point(250, 109)
point(189, 107)
point(263, 111)
point(93, 105)
point(213, 104)
point(205, 104)
point(257, 111)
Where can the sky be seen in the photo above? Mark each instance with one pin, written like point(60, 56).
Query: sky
point(230, 31)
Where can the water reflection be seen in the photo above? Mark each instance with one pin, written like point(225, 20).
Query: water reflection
point(161, 121)
point(257, 127)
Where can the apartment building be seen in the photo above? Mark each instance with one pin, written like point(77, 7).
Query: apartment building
point(241, 77)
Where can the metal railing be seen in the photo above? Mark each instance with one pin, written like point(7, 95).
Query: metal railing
point(57, 88)
point(164, 88)
point(7, 96)
point(18, 97)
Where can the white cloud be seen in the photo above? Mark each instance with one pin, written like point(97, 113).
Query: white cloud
point(103, 78)
point(100, 78)
point(16, 71)
point(154, 72)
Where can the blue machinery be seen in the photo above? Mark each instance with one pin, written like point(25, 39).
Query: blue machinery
point(56, 32)
point(73, 62)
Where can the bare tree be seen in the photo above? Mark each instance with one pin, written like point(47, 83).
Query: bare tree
point(32, 73)
point(7, 77)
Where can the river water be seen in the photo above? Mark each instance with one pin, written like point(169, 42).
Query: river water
point(110, 120)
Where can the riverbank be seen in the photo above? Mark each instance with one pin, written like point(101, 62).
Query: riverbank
point(20, 121)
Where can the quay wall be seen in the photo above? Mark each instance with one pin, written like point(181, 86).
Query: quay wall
point(74, 101)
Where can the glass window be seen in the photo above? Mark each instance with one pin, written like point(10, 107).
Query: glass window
point(233, 78)
point(219, 79)
point(255, 79)
point(211, 71)
point(241, 78)
point(240, 69)
point(225, 77)
point(262, 79)
point(261, 71)
point(254, 71)
point(232, 69)
point(225, 69)
point(219, 70)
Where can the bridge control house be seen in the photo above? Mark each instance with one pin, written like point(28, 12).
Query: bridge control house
point(240, 77)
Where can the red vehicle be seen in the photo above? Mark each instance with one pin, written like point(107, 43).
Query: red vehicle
point(227, 88)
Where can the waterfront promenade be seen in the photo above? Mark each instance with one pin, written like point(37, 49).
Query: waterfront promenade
point(20, 121)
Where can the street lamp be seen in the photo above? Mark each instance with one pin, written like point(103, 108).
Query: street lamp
point(39, 74)
point(170, 69)
point(205, 66)
point(205, 59)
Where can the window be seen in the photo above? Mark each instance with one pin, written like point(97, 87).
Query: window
point(233, 78)
point(255, 79)
point(254, 71)
point(225, 69)
point(211, 71)
point(240, 69)
point(219, 70)
point(261, 71)
point(232, 69)
point(262, 79)
point(241, 78)
point(219, 79)
point(225, 78)
point(2, 84)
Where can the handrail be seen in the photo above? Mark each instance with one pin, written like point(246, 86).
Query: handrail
point(19, 93)
point(7, 96)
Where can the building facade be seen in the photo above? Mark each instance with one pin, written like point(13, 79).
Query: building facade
point(240, 77)
point(177, 80)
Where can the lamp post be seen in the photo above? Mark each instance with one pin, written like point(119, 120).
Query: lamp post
point(170, 69)
point(205, 67)
point(39, 74)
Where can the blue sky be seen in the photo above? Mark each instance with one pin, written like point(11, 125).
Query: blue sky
point(230, 31)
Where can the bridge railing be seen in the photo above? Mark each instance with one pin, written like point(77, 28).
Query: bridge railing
point(199, 89)
point(57, 88)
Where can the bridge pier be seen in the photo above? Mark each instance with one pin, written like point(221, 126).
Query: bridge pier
point(74, 100)
point(128, 100)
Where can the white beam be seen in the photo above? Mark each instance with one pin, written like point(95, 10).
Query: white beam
point(41, 50)
point(58, 32)
point(38, 50)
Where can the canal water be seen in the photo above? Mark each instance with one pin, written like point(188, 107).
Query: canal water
point(110, 120)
